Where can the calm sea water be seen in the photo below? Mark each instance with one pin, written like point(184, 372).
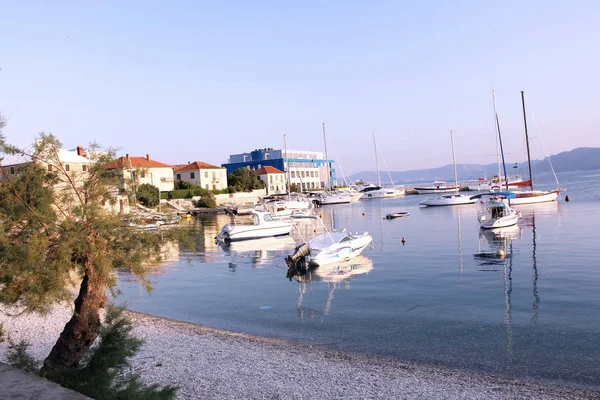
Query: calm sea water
point(441, 298)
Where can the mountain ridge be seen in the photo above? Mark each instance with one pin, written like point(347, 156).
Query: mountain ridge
point(578, 159)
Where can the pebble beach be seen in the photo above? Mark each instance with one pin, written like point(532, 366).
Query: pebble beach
point(207, 363)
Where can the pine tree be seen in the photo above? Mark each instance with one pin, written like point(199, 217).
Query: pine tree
point(54, 222)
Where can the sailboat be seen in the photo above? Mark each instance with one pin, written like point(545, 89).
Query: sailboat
point(450, 199)
point(498, 212)
point(331, 197)
point(532, 196)
point(378, 192)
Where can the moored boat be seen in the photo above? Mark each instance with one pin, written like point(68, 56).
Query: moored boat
point(263, 225)
point(498, 213)
point(397, 215)
point(329, 247)
point(437, 187)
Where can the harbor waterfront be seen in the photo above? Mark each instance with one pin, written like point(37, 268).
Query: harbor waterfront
point(442, 298)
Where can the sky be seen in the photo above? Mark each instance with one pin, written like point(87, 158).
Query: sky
point(198, 80)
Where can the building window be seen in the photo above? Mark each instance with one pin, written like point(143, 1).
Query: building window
point(178, 177)
point(84, 167)
point(214, 174)
point(12, 170)
point(192, 175)
point(206, 174)
point(206, 186)
point(142, 174)
point(270, 178)
point(293, 174)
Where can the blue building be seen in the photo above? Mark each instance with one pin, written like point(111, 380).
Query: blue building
point(307, 169)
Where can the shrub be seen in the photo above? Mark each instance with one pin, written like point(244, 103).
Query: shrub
point(147, 195)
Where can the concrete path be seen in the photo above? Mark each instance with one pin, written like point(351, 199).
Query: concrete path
point(16, 384)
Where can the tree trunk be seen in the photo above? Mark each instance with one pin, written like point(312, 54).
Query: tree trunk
point(83, 327)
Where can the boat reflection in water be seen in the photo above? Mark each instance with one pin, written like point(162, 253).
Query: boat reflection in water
point(499, 258)
point(336, 276)
point(258, 252)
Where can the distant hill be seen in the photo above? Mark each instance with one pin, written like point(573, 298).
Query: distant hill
point(579, 159)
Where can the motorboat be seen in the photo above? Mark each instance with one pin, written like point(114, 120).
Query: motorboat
point(330, 247)
point(378, 192)
point(397, 215)
point(449, 200)
point(330, 198)
point(437, 187)
point(498, 213)
point(263, 225)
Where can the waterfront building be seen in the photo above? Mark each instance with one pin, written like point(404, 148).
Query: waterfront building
point(144, 170)
point(274, 179)
point(202, 174)
point(307, 169)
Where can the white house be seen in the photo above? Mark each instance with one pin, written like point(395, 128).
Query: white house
point(274, 179)
point(144, 170)
point(202, 174)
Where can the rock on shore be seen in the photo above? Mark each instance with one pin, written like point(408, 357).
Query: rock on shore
point(209, 363)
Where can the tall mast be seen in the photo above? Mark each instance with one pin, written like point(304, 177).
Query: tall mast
point(497, 133)
point(454, 161)
point(286, 166)
point(527, 140)
point(502, 152)
point(376, 160)
point(326, 159)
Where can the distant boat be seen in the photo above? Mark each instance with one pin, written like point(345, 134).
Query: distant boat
point(437, 187)
point(378, 191)
point(533, 196)
point(450, 199)
point(397, 215)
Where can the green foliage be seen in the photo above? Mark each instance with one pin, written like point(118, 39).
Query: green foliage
point(295, 188)
point(18, 357)
point(183, 185)
point(147, 194)
point(2, 332)
point(105, 373)
point(244, 179)
point(207, 200)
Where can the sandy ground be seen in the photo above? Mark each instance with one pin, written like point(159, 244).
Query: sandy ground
point(209, 363)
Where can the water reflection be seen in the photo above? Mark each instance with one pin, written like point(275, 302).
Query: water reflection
point(258, 252)
point(337, 277)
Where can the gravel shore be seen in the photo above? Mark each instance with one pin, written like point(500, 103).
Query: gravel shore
point(208, 363)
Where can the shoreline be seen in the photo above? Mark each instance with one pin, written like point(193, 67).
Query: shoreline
point(211, 363)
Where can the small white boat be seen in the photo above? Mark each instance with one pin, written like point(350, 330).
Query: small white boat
point(337, 246)
point(437, 187)
point(449, 200)
point(330, 198)
point(498, 213)
point(263, 225)
point(534, 196)
point(397, 215)
point(378, 192)
point(330, 247)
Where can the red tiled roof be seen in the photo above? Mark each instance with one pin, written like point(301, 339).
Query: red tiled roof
point(135, 162)
point(197, 165)
point(267, 169)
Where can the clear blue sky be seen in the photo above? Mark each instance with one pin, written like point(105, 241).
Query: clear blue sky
point(196, 80)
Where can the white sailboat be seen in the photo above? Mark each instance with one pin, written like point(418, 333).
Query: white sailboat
point(330, 197)
point(498, 212)
point(450, 199)
point(378, 192)
point(533, 196)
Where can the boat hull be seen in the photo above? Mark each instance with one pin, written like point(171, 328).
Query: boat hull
point(340, 251)
point(231, 233)
point(534, 197)
point(448, 201)
point(426, 190)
